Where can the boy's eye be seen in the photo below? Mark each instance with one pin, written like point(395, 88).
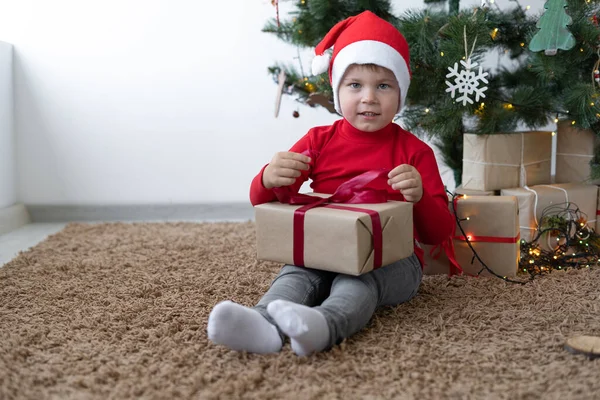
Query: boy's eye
point(355, 85)
point(384, 86)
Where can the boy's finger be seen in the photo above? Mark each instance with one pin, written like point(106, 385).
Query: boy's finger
point(405, 184)
point(289, 173)
point(297, 156)
point(294, 164)
point(399, 169)
point(401, 177)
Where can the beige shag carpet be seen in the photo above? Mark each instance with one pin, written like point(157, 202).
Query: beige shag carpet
point(119, 311)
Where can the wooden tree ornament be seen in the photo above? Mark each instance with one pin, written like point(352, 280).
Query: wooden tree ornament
point(553, 33)
point(280, 83)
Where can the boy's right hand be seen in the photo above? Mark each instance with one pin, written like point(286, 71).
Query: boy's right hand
point(284, 168)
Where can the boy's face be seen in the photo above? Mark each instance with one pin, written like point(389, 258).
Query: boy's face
point(369, 97)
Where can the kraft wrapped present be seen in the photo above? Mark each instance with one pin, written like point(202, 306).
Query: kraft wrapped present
point(461, 190)
point(493, 229)
point(335, 237)
point(500, 161)
point(574, 151)
point(534, 200)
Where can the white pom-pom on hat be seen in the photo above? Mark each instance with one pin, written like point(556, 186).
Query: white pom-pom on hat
point(320, 64)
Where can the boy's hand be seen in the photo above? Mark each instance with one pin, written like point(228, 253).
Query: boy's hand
point(407, 180)
point(284, 168)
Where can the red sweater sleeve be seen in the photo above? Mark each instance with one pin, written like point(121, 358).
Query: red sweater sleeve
point(259, 194)
point(432, 218)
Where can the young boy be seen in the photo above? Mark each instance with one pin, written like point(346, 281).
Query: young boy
point(370, 75)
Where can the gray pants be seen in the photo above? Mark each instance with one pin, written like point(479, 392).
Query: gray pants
point(347, 302)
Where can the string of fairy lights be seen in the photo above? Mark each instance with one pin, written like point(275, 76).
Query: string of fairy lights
point(309, 85)
point(562, 240)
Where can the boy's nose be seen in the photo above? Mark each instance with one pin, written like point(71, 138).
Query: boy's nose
point(368, 96)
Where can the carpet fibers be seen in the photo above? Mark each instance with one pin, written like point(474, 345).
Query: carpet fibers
point(119, 311)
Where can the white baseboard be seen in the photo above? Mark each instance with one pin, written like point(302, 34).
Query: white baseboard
point(144, 212)
point(13, 217)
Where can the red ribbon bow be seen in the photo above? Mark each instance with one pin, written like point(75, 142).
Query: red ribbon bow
point(353, 191)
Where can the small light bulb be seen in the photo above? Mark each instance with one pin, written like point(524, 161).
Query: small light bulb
point(572, 122)
point(528, 7)
point(468, 218)
point(442, 53)
point(555, 120)
point(553, 133)
point(427, 110)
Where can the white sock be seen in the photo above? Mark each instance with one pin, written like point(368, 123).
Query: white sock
point(306, 327)
point(242, 329)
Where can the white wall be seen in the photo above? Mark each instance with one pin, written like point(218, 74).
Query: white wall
point(147, 101)
point(8, 187)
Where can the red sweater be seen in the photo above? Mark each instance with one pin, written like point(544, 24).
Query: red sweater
point(344, 152)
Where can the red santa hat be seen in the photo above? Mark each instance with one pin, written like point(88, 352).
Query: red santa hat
point(363, 39)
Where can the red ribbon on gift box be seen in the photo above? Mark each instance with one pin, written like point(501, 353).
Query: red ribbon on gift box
point(353, 191)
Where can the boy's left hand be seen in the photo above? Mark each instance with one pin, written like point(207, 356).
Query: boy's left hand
point(407, 180)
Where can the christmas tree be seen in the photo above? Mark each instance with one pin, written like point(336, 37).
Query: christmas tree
point(537, 89)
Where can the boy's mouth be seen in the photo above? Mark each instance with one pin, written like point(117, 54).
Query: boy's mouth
point(368, 114)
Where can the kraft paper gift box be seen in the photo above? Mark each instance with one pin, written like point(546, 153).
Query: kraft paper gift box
point(499, 161)
point(535, 199)
point(334, 238)
point(493, 227)
point(461, 190)
point(574, 151)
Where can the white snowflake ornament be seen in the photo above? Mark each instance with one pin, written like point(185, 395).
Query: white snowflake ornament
point(466, 82)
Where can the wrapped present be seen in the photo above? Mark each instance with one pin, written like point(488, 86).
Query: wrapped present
point(574, 151)
point(347, 232)
point(499, 161)
point(461, 190)
point(492, 225)
point(534, 200)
